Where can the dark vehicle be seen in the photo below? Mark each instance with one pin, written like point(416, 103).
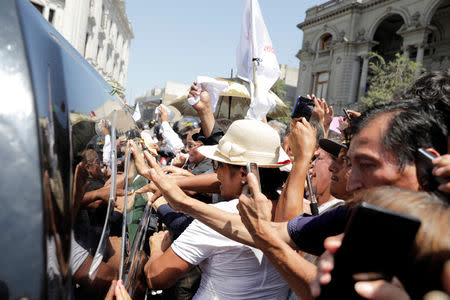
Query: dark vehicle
point(53, 102)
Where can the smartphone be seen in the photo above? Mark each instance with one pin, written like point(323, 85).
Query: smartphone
point(377, 241)
point(424, 168)
point(303, 108)
point(253, 168)
point(346, 114)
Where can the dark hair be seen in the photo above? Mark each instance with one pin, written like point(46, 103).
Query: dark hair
point(411, 126)
point(271, 180)
point(433, 89)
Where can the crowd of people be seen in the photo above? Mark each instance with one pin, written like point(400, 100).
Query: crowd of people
point(230, 233)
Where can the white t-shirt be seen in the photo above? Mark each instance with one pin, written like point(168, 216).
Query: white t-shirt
point(230, 270)
point(330, 204)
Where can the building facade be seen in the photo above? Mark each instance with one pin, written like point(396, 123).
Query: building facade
point(290, 77)
point(339, 35)
point(98, 29)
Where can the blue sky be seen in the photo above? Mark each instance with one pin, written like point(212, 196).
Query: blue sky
point(178, 40)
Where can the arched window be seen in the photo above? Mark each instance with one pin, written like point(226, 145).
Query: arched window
point(325, 41)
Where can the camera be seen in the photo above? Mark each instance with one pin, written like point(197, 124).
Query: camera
point(303, 108)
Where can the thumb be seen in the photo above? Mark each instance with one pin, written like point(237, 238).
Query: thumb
point(380, 289)
point(253, 184)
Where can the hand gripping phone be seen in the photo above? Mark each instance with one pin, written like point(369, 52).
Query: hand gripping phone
point(376, 241)
point(253, 168)
point(346, 114)
point(424, 168)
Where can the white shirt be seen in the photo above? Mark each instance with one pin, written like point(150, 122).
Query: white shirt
point(172, 139)
point(230, 270)
point(329, 205)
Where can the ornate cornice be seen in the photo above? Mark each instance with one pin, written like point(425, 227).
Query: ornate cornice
point(339, 10)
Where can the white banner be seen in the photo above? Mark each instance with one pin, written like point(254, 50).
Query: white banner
point(137, 113)
point(255, 48)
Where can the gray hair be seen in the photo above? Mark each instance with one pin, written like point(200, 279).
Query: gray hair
point(280, 128)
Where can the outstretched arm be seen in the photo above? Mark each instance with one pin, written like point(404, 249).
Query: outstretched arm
point(255, 214)
point(164, 267)
point(302, 140)
point(227, 224)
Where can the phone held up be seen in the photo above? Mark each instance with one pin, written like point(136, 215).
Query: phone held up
point(303, 108)
point(346, 114)
point(424, 168)
point(377, 242)
point(253, 168)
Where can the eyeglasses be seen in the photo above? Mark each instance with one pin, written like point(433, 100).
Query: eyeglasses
point(216, 165)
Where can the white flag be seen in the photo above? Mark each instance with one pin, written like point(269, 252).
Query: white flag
point(213, 87)
point(255, 45)
point(137, 113)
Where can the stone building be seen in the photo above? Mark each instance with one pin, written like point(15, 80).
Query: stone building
point(290, 77)
point(98, 29)
point(339, 34)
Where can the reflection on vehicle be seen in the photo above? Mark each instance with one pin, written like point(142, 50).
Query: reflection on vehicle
point(60, 127)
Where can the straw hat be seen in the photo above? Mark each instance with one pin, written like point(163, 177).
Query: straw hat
point(247, 141)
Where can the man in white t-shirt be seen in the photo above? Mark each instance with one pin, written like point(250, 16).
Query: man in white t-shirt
point(230, 270)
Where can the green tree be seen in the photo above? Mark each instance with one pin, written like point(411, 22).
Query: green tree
point(116, 88)
point(279, 88)
point(286, 118)
point(389, 78)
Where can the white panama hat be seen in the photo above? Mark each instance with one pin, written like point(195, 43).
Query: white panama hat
point(247, 141)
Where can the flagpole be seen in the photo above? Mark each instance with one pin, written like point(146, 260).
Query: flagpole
point(255, 78)
point(254, 59)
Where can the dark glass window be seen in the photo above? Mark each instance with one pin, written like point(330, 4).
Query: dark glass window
point(39, 7)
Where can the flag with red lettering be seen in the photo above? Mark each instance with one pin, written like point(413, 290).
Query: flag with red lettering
point(255, 47)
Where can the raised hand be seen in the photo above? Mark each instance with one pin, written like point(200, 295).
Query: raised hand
point(204, 103)
point(120, 201)
point(442, 169)
point(176, 171)
point(164, 116)
point(179, 160)
point(328, 118)
point(302, 139)
point(141, 165)
point(166, 184)
point(255, 210)
point(326, 263)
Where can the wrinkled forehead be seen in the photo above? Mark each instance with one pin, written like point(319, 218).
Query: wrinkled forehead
point(370, 138)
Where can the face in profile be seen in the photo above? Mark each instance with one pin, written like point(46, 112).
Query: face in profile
point(192, 149)
point(320, 175)
point(230, 180)
point(373, 165)
point(340, 169)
